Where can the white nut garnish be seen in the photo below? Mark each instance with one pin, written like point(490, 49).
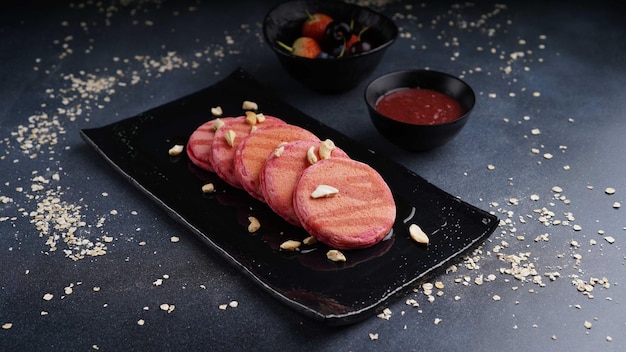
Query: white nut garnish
point(217, 111)
point(335, 256)
point(323, 191)
point(230, 137)
point(326, 149)
point(176, 150)
point(254, 224)
point(208, 188)
point(260, 117)
point(217, 124)
point(278, 151)
point(249, 105)
point(251, 118)
point(290, 245)
point(310, 155)
point(418, 235)
point(309, 240)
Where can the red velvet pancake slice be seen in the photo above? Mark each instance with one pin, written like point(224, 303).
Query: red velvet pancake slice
point(199, 144)
point(281, 172)
point(358, 216)
point(223, 151)
point(254, 150)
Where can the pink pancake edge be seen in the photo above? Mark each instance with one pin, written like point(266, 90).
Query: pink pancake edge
point(224, 155)
point(280, 174)
point(359, 216)
point(255, 149)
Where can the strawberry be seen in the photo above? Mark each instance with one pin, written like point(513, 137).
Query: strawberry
point(315, 25)
point(303, 46)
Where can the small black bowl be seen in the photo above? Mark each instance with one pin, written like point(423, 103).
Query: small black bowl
point(419, 137)
point(328, 75)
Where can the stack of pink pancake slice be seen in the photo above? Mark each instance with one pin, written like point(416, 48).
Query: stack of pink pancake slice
point(341, 202)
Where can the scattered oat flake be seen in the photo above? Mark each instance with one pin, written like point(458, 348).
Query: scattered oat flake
point(223, 306)
point(373, 336)
point(174, 239)
point(141, 322)
point(233, 304)
point(496, 298)
point(437, 321)
point(491, 167)
point(588, 324)
point(7, 326)
point(48, 296)
point(557, 189)
point(385, 314)
point(167, 307)
point(609, 190)
point(610, 239)
point(616, 205)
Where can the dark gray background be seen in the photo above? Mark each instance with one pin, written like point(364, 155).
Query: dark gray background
point(573, 57)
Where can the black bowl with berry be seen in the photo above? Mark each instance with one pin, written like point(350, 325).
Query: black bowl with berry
point(418, 109)
point(327, 45)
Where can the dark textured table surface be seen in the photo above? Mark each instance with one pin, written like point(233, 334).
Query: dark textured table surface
point(544, 151)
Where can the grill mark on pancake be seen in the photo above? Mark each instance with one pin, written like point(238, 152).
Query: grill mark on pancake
point(360, 215)
point(224, 154)
point(279, 176)
point(255, 149)
point(199, 146)
point(342, 214)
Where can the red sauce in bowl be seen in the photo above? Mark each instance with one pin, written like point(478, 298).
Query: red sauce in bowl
point(419, 106)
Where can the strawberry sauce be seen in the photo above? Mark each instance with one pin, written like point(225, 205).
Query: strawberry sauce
point(419, 106)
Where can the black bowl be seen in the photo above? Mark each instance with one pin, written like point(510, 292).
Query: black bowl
point(419, 137)
point(329, 75)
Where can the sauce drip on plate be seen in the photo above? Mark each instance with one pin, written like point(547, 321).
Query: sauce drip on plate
point(419, 106)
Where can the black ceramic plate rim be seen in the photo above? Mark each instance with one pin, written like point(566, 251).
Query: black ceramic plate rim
point(403, 182)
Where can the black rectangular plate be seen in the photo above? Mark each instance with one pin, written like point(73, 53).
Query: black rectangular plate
point(305, 280)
